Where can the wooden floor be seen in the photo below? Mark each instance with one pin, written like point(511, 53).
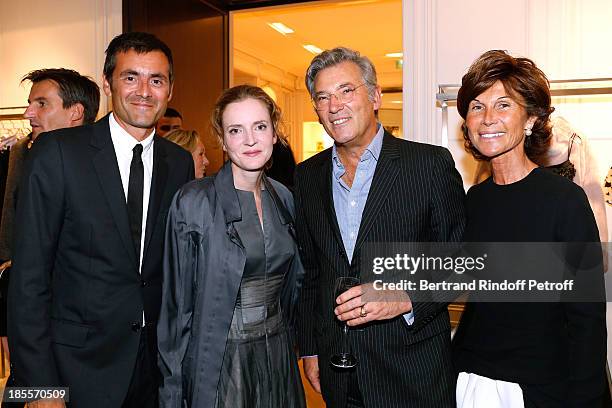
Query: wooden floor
point(313, 400)
point(4, 377)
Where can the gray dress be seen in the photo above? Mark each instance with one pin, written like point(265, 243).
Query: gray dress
point(259, 365)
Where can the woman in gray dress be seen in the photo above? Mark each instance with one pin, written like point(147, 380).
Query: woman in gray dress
point(232, 273)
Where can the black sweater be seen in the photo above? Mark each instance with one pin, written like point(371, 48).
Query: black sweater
point(555, 351)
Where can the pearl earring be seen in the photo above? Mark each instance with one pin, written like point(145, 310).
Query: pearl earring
point(528, 132)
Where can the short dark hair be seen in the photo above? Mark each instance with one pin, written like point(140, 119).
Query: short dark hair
point(73, 88)
point(172, 113)
point(520, 77)
point(142, 43)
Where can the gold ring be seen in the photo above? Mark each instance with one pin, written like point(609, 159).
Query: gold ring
point(363, 313)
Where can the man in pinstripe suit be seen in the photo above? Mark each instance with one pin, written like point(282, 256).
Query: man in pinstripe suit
point(371, 187)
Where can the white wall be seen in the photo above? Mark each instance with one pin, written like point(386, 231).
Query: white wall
point(51, 34)
point(568, 39)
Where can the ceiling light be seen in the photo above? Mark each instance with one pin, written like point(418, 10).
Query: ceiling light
point(281, 28)
point(396, 101)
point(395, 55)
point(313, 48)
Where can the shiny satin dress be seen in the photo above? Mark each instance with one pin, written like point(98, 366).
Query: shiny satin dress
point(259, 367)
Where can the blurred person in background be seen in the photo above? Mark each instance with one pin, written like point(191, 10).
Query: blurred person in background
point(190, 141)
point(59, 98)
point(171, 120)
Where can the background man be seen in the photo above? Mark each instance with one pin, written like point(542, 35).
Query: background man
point(171, 120)
point(86, 287)
point(370, 187)
point(59, 98)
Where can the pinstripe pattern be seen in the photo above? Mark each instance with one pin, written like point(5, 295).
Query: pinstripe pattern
point(416, 196)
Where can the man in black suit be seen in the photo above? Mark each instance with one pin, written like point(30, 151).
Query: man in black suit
point(85, 292)
point(59, 98)
point(371, 187)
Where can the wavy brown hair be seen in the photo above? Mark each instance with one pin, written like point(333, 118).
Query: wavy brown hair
point(523, 81)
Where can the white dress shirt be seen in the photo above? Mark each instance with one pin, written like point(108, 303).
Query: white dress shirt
point(124, 144)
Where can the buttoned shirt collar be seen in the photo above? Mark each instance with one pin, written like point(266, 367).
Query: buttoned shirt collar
point(124, 142)
point(372, 151)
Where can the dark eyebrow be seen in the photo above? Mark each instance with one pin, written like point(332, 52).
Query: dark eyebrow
point(40, 98)
point(136, 73)
point(501, 97)
point(159, 75)
point(129, 72)
point(265, 122)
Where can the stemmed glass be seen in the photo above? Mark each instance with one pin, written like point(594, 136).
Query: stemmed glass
point(344, 359)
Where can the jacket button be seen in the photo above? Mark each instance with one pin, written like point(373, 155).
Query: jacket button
point(136, 327)
point(143, 283)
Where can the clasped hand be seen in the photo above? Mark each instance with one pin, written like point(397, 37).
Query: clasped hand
point(362, 304)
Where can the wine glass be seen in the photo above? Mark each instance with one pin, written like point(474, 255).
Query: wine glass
point(344, 359)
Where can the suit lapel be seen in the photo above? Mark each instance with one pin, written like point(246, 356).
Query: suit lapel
point(385, 174)
point(107, 169)
point(158, 183)
point(325, 186)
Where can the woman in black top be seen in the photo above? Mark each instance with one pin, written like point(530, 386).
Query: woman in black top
point(523, 354)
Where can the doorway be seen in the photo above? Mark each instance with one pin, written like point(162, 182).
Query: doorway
point(271, 47)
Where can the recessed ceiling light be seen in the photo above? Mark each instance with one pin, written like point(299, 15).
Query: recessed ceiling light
point(396, 101)
point(281, 28)
point(313, 48)
point(395, 55)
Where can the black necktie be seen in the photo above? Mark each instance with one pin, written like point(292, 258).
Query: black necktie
point(134, 198)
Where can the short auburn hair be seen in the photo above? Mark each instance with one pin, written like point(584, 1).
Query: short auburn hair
point(526, 84)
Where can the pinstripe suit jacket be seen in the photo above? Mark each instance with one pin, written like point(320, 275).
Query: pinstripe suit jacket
point(416, 196)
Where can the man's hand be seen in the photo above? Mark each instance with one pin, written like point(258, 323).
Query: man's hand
point(362, 304)
point(47, 403)
point(311, 370)
point(7, 142)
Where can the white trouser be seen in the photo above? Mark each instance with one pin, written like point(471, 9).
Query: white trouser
point(475, 391)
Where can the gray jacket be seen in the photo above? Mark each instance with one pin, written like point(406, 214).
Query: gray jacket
point(203, 264)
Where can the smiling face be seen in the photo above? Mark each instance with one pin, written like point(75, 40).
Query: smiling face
point(248, 136)
point(45, 109)
point(496, 123)
point(351, 124)
point(140, 90)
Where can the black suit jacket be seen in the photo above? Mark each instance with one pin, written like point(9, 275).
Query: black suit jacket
point(416, 196)
point(76, 297)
